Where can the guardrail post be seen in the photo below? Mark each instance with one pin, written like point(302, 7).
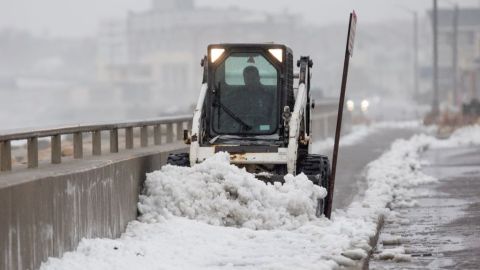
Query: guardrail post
point(144, 136)
point(5, 156)
point(169, 133)
point(32, 152)
point(129, 138)
point(179, 130)
point(78, 145)
point(96, 143)
point(157, 136)
point(56, 146)
point(114, 140)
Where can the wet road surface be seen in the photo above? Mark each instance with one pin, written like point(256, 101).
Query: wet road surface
point(443, 230)
point(350, 181)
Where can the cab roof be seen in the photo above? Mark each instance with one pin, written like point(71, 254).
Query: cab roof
point(266, 45)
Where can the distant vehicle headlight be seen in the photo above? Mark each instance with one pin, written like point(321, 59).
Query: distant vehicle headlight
point(350, 105)
point(364, 105)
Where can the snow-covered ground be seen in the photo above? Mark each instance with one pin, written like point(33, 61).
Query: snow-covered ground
point(217, 216)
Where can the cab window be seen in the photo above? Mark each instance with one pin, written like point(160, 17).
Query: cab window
point(246, 96)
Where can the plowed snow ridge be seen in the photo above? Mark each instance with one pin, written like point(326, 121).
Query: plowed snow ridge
point(221, 194)
point(216, 216)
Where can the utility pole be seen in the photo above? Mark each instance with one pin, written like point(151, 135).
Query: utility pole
point(455, 57)
point(415, 55)
point(415, 94)
point(435, 105)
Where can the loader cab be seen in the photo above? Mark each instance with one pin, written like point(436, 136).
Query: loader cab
point(248, 87)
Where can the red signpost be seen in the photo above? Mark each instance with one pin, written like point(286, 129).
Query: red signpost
point(348, 53)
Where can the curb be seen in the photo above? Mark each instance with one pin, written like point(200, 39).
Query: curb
point(363, 264)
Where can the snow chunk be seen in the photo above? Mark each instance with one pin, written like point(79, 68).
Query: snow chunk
point(222, 194)
point(395, 254)
point(355, 254)
point(343, 261)
point(391, 240)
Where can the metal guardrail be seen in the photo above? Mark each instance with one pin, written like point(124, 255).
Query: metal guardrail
point(78, 130)
point(324, 119)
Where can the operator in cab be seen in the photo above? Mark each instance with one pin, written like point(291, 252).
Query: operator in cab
point(259, 99)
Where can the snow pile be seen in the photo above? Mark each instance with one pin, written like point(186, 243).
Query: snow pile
point(395, 171)
point(221, 194)
point(469, 135)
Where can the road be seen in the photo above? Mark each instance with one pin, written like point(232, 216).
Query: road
point(443, 231)
point(353, 159)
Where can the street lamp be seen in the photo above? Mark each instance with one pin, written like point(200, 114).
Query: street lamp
point(435, 105)
point(415, 51)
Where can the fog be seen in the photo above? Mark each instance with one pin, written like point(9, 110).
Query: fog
point(70, 62)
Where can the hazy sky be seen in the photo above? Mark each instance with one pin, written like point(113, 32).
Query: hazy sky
point(81, 17)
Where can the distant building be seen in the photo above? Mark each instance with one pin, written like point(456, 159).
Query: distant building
point(112, 51)
point(468, 52)
point(154, 55)
point(157, 52)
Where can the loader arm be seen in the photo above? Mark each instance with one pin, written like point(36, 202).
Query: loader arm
point(294, 128)
point(196, 125)
point(299, 114)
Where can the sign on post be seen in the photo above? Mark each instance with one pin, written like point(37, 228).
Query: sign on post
point(351, 32)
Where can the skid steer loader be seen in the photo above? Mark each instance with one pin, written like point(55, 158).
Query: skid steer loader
point(249, 107)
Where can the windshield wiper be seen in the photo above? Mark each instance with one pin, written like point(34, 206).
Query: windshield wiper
point(218, 103)
point(214, 139)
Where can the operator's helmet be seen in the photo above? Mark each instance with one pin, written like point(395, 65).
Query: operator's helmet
point(251, 76)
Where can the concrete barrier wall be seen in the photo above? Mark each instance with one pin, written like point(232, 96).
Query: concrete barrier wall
point(47, 211)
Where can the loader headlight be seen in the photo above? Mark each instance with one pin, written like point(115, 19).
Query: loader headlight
point(277, 53)
point(215, 53)
point(350, 105)
point(364, 105)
